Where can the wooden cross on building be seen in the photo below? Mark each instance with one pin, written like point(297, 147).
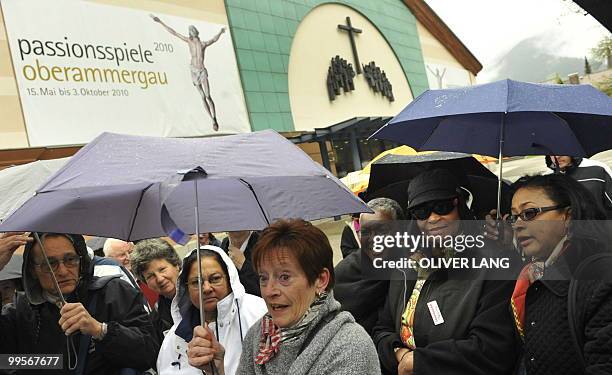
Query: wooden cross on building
point(351, 32)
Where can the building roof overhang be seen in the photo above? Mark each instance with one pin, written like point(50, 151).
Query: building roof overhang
point(361, 127)
point(434, 24)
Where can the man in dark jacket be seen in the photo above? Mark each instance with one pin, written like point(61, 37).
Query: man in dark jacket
point(349, 240)
point(239, 246)
point(101, 328)
point(593, 175)
point(357, 291)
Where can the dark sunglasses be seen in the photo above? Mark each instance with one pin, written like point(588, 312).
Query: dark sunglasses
point(441, 207)
point(529, 214)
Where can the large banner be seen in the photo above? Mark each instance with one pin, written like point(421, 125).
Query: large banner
point(85, 68)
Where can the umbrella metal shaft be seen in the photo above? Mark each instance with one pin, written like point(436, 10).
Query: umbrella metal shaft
point(55, 283)
point(199, 260)
point(501, 166)
point(198, 257)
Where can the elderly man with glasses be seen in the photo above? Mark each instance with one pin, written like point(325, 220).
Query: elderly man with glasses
point(96, 325)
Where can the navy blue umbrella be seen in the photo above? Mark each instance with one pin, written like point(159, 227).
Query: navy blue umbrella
point(506, 118)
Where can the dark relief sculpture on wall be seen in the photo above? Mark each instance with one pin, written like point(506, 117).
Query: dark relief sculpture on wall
point(339, 76)
point(377, 80)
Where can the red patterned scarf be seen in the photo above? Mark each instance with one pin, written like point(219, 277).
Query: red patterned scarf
point(270, 340)
point(529, 274)
point(524, 281)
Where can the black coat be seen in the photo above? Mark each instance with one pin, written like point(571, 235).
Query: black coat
point(162, 317)
point(358, 293)
point(247, 275)
point(549, 347)
point(593, 177)
point(477, 336)
point(130, 341)
point(348, 242)
point(31, 324)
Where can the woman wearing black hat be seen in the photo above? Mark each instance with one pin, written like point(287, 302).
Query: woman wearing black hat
point(444, 320)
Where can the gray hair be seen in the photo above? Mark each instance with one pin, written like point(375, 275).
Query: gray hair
point(149, 250)
point(388, 207)
point(110, 243)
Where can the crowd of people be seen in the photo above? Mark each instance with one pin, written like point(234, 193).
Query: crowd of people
point(273, 302)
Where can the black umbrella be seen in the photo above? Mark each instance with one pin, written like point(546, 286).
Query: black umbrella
point(390, 176)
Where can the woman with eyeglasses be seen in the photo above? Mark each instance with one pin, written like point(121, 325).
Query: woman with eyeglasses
point(562, 300)
point(229, 311)
point(444, 320)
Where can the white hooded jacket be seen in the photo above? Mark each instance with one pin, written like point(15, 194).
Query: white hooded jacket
point(236, 313)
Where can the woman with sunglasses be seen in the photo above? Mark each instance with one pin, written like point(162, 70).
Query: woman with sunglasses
point(229, 311)
point(562, 300)
point(444, 321)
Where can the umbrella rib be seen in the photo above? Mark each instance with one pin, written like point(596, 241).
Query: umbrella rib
point(572, 130)
point(142, 193)
point(256, 200)
point(420, 148)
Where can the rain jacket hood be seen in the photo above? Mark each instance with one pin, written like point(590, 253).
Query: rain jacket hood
point(182, 309)
point(31, 285)
point(575, 163)
point(236, 313)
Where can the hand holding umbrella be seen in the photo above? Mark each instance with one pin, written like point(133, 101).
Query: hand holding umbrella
point(76, 318)
point(205, 352)
point(492, 228)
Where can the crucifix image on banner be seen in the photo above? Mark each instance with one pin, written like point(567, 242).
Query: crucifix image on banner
point(199, 74)
point(79, 75)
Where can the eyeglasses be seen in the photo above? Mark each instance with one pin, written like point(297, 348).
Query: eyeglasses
point(214, 280)
point(441, 207)
point(529, 214)
point(69, 261)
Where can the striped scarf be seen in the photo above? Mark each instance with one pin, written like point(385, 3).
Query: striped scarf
point(270, 340)
point(272, 336)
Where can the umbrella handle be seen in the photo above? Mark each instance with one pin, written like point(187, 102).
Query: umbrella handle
point(499, 225)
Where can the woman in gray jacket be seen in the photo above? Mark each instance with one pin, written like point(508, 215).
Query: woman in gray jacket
point(304, 330)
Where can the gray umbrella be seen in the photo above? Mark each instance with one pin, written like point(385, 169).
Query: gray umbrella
point(20, 182)
point(12, 270)
point(117, 185)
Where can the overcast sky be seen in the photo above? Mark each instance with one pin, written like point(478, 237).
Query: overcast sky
point(490, 28)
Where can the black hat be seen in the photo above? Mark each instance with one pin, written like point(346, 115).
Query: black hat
point(433, 185)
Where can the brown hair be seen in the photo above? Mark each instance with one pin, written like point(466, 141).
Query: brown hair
point(307, 243)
